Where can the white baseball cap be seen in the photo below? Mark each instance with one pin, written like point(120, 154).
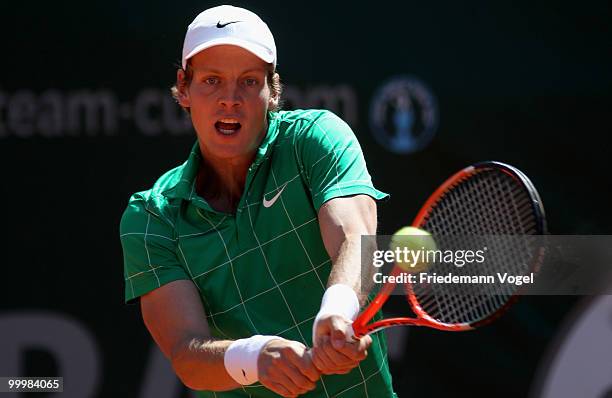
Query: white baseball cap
point(229, 25)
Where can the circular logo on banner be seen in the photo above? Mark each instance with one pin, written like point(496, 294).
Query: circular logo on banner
point(403, 115)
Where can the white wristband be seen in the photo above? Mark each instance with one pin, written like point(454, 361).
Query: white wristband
point(241, 356)
point(338, 299)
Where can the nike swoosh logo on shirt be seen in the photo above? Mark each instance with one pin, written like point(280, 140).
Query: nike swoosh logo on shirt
point(268, 203)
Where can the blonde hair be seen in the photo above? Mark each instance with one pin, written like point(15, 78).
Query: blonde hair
point(273, 80)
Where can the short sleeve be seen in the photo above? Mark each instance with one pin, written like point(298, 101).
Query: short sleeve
point(149, 251)
point(333, 162)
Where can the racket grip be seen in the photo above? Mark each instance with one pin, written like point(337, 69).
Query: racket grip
point(350, 334)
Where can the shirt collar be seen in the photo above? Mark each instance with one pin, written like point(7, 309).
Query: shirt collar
point(184, 188)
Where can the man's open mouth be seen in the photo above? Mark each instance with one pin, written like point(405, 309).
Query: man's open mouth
point(227, 126)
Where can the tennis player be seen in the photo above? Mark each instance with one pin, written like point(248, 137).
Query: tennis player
point(248, 253)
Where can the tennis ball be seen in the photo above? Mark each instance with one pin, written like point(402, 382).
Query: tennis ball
point(411, 245)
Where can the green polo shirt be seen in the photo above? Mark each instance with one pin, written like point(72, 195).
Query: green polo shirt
point(262, 270)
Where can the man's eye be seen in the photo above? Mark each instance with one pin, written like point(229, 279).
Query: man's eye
point(250, 82)
point(211, 80)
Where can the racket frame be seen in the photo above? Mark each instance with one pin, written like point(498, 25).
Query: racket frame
point(360, 326)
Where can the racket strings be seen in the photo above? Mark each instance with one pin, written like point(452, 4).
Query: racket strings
point(489, 202)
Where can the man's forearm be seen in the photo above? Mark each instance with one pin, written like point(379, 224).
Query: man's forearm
point(347, 267)
point(343, 222)
point(198, 362)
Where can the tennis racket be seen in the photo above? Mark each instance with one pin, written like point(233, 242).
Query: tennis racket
point(488, 198)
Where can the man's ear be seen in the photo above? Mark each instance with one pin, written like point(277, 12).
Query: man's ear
point(274, 96)
point(182, 89)
point(273, 102)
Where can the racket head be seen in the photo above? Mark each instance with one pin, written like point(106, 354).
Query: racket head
point(488, 198)
point(424, 215)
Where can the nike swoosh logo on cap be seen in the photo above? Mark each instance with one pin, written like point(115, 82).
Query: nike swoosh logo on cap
point(223, 25)
point(268, 203)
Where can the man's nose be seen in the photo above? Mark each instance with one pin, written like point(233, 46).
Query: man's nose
point(230, 96)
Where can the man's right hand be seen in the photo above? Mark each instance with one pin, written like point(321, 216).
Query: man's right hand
point(286, 367)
